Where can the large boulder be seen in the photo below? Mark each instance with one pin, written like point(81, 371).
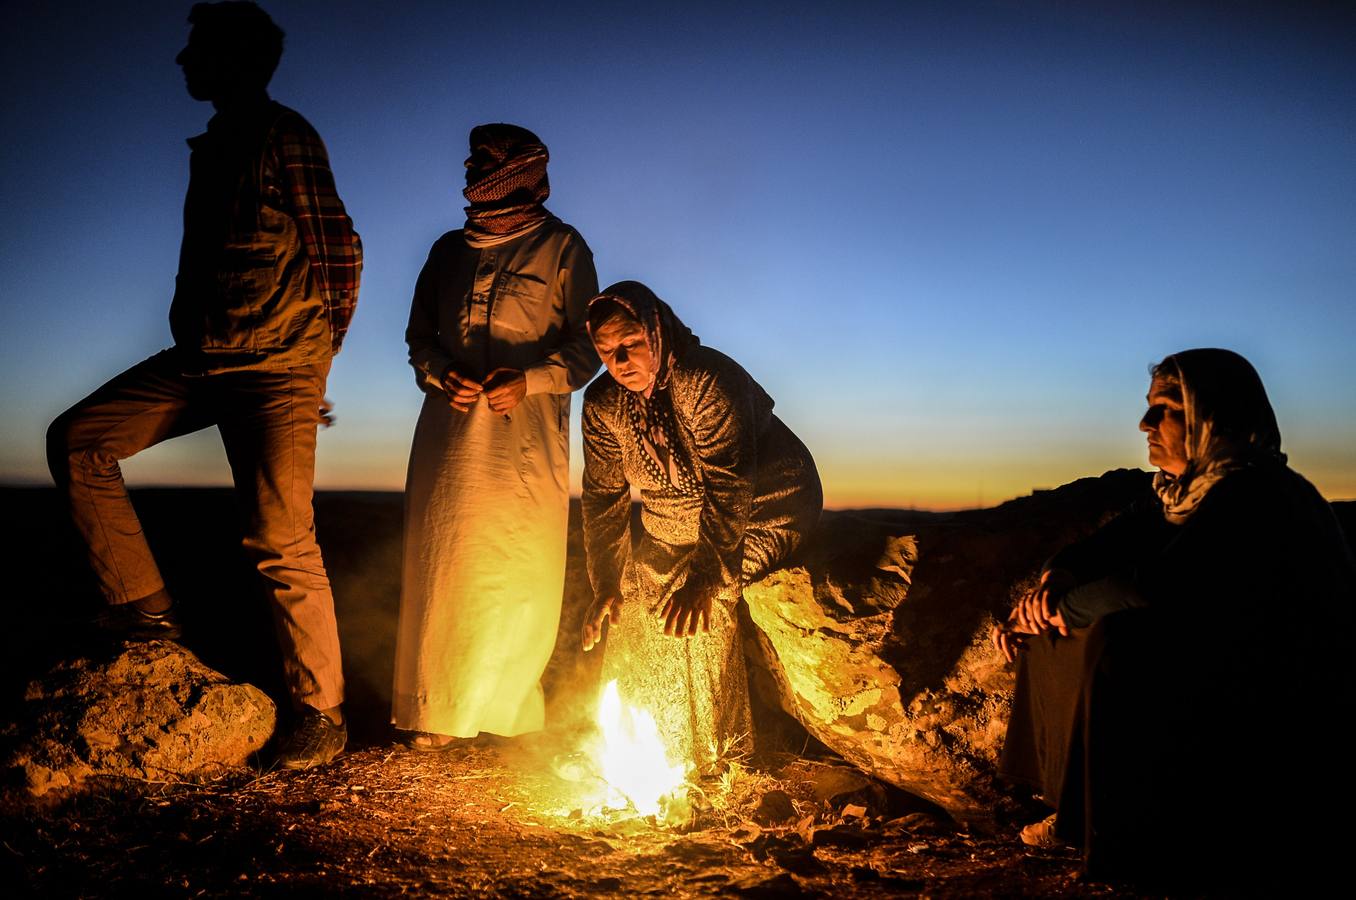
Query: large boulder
point(151, 712)
point(878, 643)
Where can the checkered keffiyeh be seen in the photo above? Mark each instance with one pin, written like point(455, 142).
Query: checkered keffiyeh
point(334, 248)
point(509, 197)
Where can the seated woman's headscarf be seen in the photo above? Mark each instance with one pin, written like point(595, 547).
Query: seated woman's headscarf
point(507, 200)
point(651, 419)
point(1229, 425)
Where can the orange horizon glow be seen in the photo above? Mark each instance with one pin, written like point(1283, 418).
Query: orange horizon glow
point(846, 486)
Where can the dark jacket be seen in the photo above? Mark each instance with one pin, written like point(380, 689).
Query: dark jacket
point(246, 296)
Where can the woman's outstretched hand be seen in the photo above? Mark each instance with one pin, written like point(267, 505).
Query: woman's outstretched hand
point(687, 610)
point(602, 610)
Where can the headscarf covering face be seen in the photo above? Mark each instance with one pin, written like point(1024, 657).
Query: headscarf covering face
point(652, 421)
point(1229, 425)
point(506, 197)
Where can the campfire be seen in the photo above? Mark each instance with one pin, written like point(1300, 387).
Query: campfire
point(633, 759)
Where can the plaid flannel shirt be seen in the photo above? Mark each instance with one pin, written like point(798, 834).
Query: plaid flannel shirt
point(334, 248)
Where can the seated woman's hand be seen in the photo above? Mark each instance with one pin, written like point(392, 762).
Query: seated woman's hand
point(1008, 639)
point(1039, 609)
point(609, 610)
point(687, 610)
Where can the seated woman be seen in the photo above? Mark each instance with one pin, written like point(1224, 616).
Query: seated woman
point(727, 494)
point(1180, 661)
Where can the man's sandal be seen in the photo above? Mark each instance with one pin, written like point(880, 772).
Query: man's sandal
point(429, 741)
point(1042, 834)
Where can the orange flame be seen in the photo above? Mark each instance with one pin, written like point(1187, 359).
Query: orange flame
point(633, 758)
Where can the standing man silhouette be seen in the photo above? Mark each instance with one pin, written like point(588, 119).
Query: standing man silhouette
point(268, 279)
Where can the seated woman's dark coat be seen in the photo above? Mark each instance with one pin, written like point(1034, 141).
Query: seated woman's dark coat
point(1196, 710)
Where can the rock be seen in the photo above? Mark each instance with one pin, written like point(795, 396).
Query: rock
point(151, 712)
point(878, 643)
point(834, 781)
point(775, 807)
point(788, 852)
point(917, 823)
point(850, 837)
point(778, 886)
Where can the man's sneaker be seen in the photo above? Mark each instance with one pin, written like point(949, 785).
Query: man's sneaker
point(315, 741)
point(126, 622)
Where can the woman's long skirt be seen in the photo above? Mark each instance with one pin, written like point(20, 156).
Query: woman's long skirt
point(697, 687)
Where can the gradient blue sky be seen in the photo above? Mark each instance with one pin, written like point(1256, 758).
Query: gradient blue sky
point(948, 238)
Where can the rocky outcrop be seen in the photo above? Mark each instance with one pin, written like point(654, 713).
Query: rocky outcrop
point(878, 643)
point(151, 712)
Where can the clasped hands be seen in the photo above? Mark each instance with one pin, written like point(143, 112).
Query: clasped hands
point(1035, 612)
point(503, 388)
point(687, 611)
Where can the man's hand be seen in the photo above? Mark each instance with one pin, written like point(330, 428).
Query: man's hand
point(608, 610)
point(505, 389)
point(1039, 609)
point(326, 412)
point(461, 391)
point(687, 610)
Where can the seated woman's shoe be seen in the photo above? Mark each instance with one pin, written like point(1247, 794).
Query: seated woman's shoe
point(1042, 834)
point(428, 741)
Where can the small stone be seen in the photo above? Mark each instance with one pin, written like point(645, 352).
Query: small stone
point(834, 781)
point(845, 836)
point(782, 885)
point(775, 807)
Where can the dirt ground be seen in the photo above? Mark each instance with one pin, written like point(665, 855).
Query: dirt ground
point(497, 818)
point(489, 818)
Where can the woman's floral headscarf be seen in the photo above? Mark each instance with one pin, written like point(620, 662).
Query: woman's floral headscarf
point(1229, 425)
point(652, 420)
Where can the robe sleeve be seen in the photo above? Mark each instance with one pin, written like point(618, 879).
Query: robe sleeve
point(421, 334)
point(606, 505)
point(574, 360)
point(1134, 535)
point(724, 427)
point(1087, 603)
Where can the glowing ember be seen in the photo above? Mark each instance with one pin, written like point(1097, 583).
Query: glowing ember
point(633, 758)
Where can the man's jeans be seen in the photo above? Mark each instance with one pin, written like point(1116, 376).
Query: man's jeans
point(268, 422)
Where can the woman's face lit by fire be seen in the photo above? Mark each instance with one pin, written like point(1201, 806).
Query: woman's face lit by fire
point(1165, 425)
point(625, 349)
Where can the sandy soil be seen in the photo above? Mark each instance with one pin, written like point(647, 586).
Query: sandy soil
point(489, 818)
point(493, 818)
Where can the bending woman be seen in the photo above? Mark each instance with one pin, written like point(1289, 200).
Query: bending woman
point(1177, 661)
point(498, 341)
point(727, 494)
